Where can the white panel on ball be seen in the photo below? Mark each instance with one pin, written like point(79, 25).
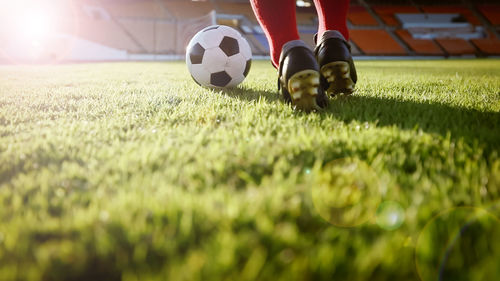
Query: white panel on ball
point(214, 60)
point(235, 65)
point(245, 48)
point(228, 31)
point(236, 80)
point(200, 74)
point(211, 38)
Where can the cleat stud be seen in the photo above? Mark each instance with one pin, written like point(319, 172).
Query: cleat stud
point(315, 80)
point(297, 95)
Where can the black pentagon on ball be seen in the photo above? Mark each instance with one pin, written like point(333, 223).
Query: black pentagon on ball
point(220, 79)
point(247, 68)
point(196, 53)
point(229, 46)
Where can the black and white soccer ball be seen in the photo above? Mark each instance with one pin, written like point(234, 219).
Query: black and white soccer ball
point(218, 57)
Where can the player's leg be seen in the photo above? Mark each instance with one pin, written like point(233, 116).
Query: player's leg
point(277, 19)
point(332, 50)
point(298, 70)
point(332, 15)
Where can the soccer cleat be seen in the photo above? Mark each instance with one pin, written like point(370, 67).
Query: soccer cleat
point(299, 78)
point(333, 53)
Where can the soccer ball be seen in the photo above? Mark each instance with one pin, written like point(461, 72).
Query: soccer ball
point(218, 57)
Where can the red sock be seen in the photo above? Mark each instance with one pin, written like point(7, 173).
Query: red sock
point(332, 15)
point(277, 19)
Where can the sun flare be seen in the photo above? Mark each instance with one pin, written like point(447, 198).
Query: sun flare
point(36, 25)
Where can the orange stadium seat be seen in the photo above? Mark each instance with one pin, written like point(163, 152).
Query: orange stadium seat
point(386, 13)
point(467, 13)
point(188, 9)
point(491, 12)
point(135, 9)
point(456, 47)
point(419, 46)
point(358, 15)
point(376, 42)
point(489, 46)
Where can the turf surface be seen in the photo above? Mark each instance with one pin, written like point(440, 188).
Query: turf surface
point(131, 171)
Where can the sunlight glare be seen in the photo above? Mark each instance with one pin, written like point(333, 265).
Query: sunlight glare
point(36, 26)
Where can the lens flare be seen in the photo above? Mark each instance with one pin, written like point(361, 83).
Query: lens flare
point(346, 192)
point(390, 215)
point(36, 25)
point(459, 244)
point(30, 30)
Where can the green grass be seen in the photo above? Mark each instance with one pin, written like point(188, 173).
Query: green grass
point(132, 171)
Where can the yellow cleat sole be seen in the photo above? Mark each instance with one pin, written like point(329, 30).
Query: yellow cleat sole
point(338, 76)
point(303, 87)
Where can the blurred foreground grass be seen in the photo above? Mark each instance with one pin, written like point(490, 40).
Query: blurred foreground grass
point(131, 171)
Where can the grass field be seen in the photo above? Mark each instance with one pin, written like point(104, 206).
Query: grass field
point(131, 171)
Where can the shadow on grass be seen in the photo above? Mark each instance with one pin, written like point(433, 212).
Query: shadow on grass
point(248, 94)
point(470, 124)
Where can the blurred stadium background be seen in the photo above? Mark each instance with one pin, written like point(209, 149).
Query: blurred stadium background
point(48, 31)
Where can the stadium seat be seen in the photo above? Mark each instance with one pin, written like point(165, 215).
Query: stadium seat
point(386, 13)
point(358, 15)
point(376, 42)
point(456, 47)
point(467, 13)
point(491, 12)
point(419, 46)
point(489, 45)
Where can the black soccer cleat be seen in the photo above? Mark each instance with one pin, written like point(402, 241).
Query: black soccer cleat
point(299, 77)
point(333, 54)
